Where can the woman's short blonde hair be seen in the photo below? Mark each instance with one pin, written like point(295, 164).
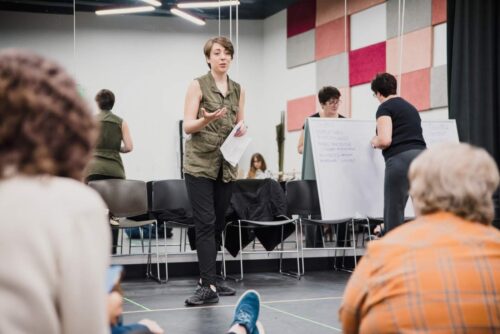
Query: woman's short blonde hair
point(457, 178)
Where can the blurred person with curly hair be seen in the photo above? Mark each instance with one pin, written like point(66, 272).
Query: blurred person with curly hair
point(55, 237)
point(441, 272)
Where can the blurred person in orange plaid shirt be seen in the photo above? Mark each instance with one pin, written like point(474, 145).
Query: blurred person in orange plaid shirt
point(441, 272)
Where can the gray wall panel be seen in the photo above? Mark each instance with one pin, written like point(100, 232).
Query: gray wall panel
point(300, 49)
point(417, 15)
point(439, 87)
point(333, 71)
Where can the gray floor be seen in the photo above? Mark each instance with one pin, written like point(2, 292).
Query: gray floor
point(309, 305)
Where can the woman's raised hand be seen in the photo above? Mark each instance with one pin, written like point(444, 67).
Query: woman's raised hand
point(212, 116)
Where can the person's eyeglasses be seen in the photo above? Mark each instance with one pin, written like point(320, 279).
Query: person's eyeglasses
point(333, 102)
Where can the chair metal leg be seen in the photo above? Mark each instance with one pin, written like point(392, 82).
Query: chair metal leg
point(365, 227)
point(241, 251)
point(157, 253)
point(141, 234)
point(282, 246)
point(130, 242)
point(353, 247)
point(185, 238)
point(121, 247)
point(336, 244)
point(345, 244)
point(223, 266)
point(149, 265)
point(302, 245)
point(166, 250)
point(149, 273)
point(354, 250)
point(369, 229)
point(323, 240)
point(181, 231)
point(298, 249)
point(296, 275)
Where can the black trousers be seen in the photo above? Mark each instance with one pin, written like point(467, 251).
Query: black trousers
point(396, 186)
point(209, 200)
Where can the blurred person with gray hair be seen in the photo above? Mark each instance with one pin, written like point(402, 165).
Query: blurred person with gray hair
point(440, 272)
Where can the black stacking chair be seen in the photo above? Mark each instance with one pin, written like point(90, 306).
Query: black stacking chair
point(303, 201)
point(125, 199)
point(169, 205)
point(271, 232)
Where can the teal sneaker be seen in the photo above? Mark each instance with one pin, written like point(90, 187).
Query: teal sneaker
point(246, 312)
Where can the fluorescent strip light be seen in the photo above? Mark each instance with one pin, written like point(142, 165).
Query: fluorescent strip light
point(130, 10)
point(187, 16)
point(152, 2)
point(208, 4)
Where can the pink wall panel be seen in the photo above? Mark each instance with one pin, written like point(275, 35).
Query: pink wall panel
point(416, 87)
point(354, 6)
point(329, 10)
point(331, 38)
point(297, 110)
point(364, 63)
point(301, 17)
point(438, 11)
point(417, 51)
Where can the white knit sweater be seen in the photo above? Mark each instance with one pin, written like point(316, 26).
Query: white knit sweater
point(54, 251)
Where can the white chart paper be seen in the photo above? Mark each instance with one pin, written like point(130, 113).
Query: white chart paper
point(233, 147)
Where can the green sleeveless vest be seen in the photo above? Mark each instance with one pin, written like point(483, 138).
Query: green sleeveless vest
point(203, 157)
point(107, 160)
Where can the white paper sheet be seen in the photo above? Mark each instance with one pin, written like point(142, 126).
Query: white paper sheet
point(233, 147)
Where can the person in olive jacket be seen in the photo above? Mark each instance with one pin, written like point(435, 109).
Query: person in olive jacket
point(214, 105)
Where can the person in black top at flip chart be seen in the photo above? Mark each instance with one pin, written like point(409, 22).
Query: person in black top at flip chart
point(399, 136)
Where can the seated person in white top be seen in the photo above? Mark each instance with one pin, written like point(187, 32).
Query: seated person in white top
point(258, 168)
point(55, 240)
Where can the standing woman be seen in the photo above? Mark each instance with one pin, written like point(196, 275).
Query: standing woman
point(399, 135)
point(213, 106)
point(107, 163)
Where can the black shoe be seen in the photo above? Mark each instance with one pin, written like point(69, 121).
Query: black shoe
point(224, 290)
point(203, 295)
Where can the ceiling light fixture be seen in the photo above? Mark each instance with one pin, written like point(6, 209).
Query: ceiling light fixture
point(208, 4)
point(130, 10)
point(187, 16)
point(152, 2)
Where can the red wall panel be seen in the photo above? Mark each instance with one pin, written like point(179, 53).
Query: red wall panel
point(301, 17)
point(364, 63)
